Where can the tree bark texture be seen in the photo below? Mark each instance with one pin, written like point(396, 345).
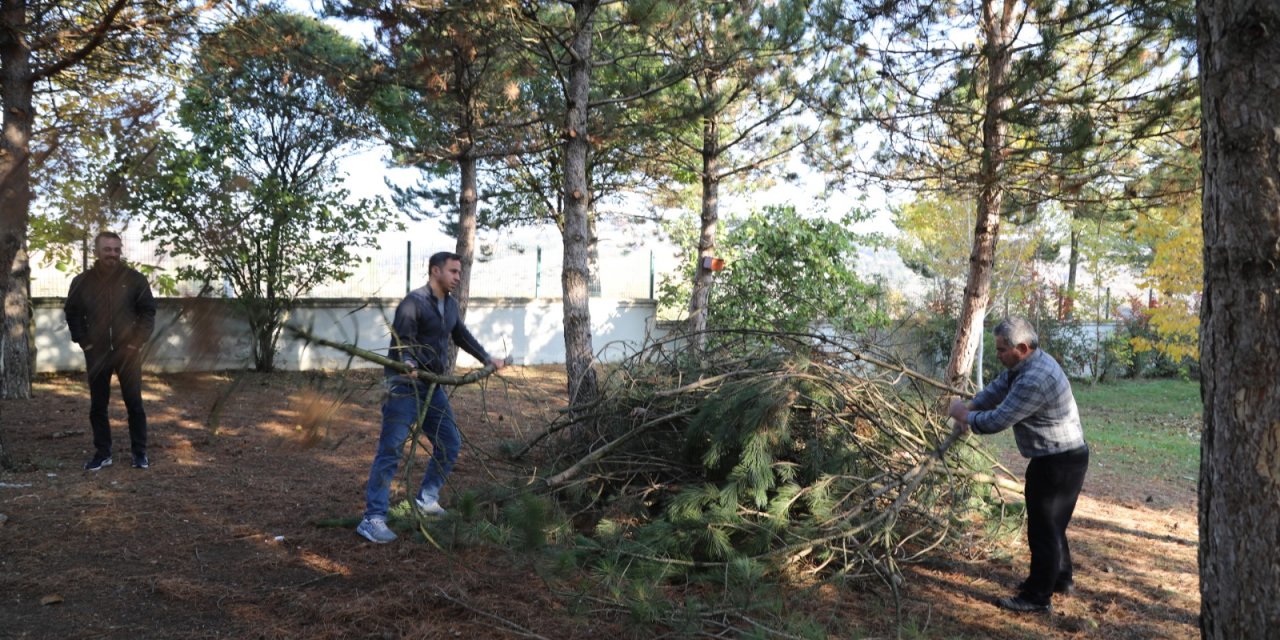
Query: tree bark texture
point(15, 201)
point(700, 299)
point(1240, 319)
point(997, 28)
point(575, 277)
point(464, 94)
point(466, 245)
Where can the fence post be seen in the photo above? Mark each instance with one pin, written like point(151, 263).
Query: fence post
point(408, 266)
point(651, 274)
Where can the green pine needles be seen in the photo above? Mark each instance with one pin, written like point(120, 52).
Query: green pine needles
point(769, 452)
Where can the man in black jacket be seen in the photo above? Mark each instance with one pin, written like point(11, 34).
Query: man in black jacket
point(111, 314)
point(424, 323)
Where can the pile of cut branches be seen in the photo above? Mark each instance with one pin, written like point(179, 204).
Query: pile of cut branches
point(793, 450)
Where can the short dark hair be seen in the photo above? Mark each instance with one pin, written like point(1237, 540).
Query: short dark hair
point(439, 259)
point(105, 234)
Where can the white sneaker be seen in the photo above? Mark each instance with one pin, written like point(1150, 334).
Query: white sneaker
point(429, 506)
point(375, 529)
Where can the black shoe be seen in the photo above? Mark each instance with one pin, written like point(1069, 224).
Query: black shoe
point(1065, 588)
point(1016, 603)
point(141, 462)
point(97, 463)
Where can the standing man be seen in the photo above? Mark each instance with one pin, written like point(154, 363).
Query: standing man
point(424, 322)
point(111, 314)
point(1034, 397)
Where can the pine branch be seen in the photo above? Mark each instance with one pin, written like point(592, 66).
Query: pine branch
point(363, 354)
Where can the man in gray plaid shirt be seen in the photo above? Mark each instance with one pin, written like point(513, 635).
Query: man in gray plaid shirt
point(1034, 397)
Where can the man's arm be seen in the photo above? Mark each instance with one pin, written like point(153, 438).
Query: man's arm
point(993, 394)
point(1025, 397)
point(144, 308)
point(74, 312)
point(468, 343)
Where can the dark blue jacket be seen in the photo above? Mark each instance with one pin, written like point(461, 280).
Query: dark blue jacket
point(420, 333)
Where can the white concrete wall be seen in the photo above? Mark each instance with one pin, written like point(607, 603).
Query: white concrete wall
point(205, 336)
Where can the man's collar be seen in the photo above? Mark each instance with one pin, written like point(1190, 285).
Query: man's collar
point(1035, 353)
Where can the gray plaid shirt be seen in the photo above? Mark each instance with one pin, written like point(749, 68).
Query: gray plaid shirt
point(1035, 399)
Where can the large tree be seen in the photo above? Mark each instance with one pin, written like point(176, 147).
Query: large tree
point(41, 44)
point(254, 195)
point(596, 63)
point(1240, 318)
point(575, 275)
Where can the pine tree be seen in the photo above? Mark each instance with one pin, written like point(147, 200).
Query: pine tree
point(456, 102)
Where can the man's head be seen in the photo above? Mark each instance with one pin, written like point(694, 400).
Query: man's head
point(1015, 340)
point(445, 271)
point(108, 249)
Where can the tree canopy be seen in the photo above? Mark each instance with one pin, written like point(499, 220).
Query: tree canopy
point(253, 196)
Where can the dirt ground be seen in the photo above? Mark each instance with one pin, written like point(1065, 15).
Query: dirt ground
point(231, 532)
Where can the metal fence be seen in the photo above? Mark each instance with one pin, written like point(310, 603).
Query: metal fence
point(513, 271)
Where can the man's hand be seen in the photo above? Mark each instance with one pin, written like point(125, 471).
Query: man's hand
point(959, 412)
point(499, 363)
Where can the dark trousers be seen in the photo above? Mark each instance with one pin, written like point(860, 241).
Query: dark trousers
point(1053, 485)
point(126, 364)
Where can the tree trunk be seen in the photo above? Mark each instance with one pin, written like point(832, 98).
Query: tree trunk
point(575, 277)
point(466, 245)
point(1073, 265)
point(998, 33)
point(6, 460)
point(464, 90)
point(700, 299)
point(264, 330)
point(15, 201)
point(1239, 342)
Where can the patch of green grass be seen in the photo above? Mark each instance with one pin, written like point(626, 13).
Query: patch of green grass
point(1148, 427)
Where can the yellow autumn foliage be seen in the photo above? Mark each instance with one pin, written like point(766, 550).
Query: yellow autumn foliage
point(1176, 273)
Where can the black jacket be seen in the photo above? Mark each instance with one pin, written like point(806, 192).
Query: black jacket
point(110, 309)
point(420, 332)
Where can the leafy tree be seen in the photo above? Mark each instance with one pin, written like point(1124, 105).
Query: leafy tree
point(788, 273)
point(253, 196)
point(81, 186)
point(935, 243)
point(1239, 345)
point(48, 48)
point(1169, 249)
point(1176, 271)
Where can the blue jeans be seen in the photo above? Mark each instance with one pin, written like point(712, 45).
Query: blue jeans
point(401, 410)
